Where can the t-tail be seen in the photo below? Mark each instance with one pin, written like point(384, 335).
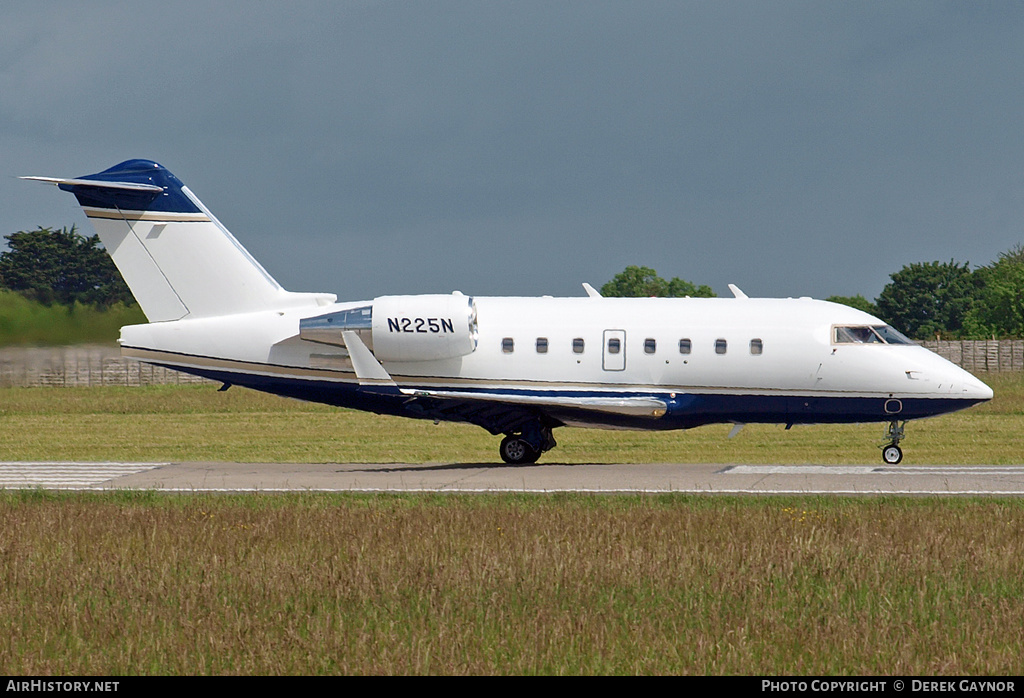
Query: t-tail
point(176, 257)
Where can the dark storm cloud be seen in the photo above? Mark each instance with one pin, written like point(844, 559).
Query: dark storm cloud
point(376, 147)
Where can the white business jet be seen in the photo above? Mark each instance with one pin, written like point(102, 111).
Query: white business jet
point(515, 366)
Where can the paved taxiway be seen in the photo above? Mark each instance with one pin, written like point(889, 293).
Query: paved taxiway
point(543, 477)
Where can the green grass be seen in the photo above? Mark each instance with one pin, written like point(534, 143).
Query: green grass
point(321, 584)
point(25, 322)
point(149, 583)
point(200, 423)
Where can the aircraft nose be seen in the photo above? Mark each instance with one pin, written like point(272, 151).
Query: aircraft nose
point(967, 387)
point(955, 388)
point(976, 390)
point(955, 382)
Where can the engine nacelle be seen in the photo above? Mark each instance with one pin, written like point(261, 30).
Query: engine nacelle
point(423, 328)
point(403, 328)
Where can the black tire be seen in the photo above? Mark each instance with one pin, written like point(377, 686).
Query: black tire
point(516, 451)
point(892, 454)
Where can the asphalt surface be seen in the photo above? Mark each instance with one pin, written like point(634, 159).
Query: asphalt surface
point(865, 479)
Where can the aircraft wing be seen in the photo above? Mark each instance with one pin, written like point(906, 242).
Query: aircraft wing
point(641, 406)
point(498, 406)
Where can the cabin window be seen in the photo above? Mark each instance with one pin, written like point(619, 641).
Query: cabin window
point(756, 346)
point(508, 345)
point(650, 346)
point(542, 345)
point(614, 346)
point(685, 346)
point(720, 346)
point(577, 346)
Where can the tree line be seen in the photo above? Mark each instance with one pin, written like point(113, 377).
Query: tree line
point(923, 300)
point(62, 267)
point(949, 300)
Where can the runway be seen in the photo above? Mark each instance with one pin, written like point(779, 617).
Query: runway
point(945, 480)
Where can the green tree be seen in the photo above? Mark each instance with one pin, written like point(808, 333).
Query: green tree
point(999, 308)
point(644, 282)
point(859, 302)
point(928, 299)
point(61, 266)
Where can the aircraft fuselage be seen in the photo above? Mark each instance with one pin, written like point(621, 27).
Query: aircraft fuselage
point(514, 366)
point(709, 360)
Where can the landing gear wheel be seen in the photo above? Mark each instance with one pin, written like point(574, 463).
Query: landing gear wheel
point(891, 451)
point(516, 451)
point(892, 454)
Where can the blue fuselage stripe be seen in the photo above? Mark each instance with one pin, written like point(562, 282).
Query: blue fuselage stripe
point(684, 410)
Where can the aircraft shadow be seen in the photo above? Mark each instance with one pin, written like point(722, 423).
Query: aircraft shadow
point(439, 467)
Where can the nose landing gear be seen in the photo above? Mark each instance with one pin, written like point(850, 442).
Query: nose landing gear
point(891, 451)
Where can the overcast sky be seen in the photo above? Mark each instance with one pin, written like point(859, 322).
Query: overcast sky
point(500, 148)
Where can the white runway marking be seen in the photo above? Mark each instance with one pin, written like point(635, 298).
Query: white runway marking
point(873, 469)
point(60, 475)
point(798, 469)
point(584, 490)
point(472, 478)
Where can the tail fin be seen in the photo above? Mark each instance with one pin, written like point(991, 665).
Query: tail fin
point(175, 256)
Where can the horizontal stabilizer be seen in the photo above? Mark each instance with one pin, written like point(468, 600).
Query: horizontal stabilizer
point(128, 186)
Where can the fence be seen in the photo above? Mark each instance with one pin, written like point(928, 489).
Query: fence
point(101, 365)
point(981, 356)
point(79, 366)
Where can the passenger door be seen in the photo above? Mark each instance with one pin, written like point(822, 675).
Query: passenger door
point(613, 352)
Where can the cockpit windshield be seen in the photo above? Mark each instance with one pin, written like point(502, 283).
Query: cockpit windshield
point(891, 335)
point(864, 334)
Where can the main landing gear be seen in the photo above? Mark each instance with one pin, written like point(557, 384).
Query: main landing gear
point(521, 448)
point(891, 451)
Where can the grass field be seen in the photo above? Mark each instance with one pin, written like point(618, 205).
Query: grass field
point(307, 584)
point(147, 583)
point(199, 423)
